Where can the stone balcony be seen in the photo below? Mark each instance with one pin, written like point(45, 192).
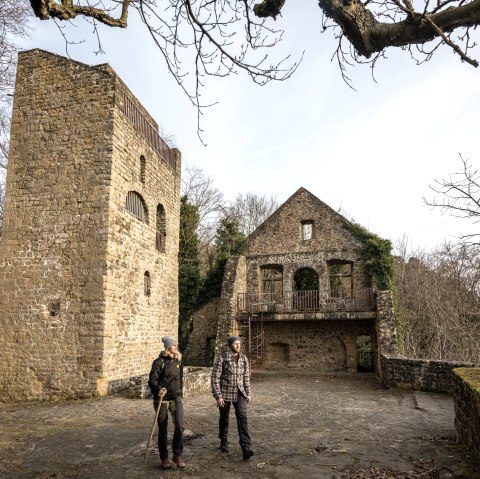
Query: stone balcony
point(319, 304)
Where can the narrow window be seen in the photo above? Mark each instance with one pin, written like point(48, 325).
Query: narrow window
point(143, 165)
point(146, 283)
point(307, 230)
point(161, 229)
point(136, 205)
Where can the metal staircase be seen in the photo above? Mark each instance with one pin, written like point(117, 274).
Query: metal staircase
point(250, 326)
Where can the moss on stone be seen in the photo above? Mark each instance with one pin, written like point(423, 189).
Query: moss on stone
point(470, 376)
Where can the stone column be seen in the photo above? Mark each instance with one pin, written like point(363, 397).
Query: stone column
point(385, 327)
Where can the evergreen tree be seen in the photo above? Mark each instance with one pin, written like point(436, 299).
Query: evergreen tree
point(229, 241)
point(188, 269)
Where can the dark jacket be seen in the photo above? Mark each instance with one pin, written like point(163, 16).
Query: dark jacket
point(166, 372)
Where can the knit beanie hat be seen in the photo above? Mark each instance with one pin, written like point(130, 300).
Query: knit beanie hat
point(169, 341)
point(232, 339)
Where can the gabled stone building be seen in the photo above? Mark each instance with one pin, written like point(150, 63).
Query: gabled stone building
point(88, 252)
point(301, 297)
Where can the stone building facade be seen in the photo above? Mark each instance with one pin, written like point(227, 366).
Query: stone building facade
point(302, 297)
point(88, 252)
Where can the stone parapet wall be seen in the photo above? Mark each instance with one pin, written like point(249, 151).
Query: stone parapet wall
point(467, 407)
point(195, 381)
point(419, 374)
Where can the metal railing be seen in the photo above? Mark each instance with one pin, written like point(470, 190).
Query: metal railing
point(311, 301)
point(145, 128)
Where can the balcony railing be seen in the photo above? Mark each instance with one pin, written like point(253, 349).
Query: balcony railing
point(146, 129)
point(307, 301)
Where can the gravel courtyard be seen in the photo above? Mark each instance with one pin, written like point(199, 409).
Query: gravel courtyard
point(302, 425)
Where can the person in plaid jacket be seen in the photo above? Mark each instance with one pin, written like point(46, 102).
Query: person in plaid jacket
point(231, 385)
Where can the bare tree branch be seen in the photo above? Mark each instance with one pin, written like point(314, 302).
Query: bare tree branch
point(459, 195)
point(66, 10)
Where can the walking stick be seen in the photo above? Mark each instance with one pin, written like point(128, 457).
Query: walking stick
point(153, 426)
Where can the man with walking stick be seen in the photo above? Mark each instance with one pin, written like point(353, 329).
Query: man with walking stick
point(231, 385)
point(166, 384)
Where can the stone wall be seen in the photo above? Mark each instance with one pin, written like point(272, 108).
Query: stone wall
point(74, 319)
point(420, 374)
point(467, 407)
point(196, 381)
point(278, 241)
point(234, 282)
point(204, 332)
point(324, 346)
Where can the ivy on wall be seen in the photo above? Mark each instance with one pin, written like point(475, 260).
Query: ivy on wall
point(378, 255)
point(380, 265)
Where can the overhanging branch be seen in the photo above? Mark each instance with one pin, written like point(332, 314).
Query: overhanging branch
point(369, 36)
point(65, 10)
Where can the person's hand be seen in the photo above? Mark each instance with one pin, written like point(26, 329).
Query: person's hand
point(248, 398)
point(220, 402)
point(162, 392)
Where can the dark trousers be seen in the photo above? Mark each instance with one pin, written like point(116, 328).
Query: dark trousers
point(175, 407)
point(242, 423)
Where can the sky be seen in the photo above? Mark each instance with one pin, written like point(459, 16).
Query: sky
point(370, 152)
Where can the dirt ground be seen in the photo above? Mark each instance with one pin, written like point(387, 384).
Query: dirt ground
point(302, 425)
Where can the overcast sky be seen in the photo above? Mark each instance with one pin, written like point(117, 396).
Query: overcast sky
point(372, 152)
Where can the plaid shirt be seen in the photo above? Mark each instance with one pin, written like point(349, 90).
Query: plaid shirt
point(229, 377)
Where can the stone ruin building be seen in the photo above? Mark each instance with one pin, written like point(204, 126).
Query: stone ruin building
point(88, 253)
point(301, 297)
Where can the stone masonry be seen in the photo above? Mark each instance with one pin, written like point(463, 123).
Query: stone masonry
point(297, 328)
point(88, 253)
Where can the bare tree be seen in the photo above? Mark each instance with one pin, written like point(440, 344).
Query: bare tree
point(364, 30)
point(438, 299)
point(204, 195)
point(14, 16)
point(460, 197)
point(13, 24)
point(251, 210)
point(196, 38)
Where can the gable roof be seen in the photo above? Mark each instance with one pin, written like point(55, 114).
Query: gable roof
point(286, 204)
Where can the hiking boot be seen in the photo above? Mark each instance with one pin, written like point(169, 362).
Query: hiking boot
point(179, 462)
point(165, 464)
point(247, 454)
point(224, 445)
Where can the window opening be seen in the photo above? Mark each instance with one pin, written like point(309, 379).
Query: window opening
point(161, 229)
point(307, 230)
point(305, 279)
point(136, 205)
point(272, 281)
point(143, 165)
point(341, 280)
point(147, 283)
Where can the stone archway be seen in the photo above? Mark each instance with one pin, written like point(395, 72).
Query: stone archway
point(305, 279)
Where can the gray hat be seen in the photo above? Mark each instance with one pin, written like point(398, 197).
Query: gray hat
point(232, 339)
point(169, 341)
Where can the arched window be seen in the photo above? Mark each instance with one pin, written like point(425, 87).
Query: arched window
point(136, 205)
point(305, 279)
point(161, 229)
point(147, 284)
point(143, 166)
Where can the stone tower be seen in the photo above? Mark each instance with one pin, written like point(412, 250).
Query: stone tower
point(88, 253)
